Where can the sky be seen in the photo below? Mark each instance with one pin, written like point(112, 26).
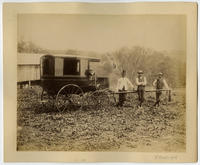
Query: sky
point(103, 33)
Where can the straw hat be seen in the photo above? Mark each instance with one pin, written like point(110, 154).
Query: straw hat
point(140, 72)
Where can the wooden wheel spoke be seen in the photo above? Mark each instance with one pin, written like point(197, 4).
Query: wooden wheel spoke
point(71, 91)
point(76, 91)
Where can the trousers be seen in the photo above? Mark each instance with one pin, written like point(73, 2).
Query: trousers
point(158, 94)
point(141, 90)
point(122, 98)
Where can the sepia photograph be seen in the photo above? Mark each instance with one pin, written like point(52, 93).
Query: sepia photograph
point(101, 83)
point(100, 79)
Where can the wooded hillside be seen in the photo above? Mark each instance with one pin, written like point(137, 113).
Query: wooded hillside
point(152, 62)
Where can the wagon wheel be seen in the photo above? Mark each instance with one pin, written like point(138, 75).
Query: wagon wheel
point(101, 99)
point(89, 100)
point(69, 97)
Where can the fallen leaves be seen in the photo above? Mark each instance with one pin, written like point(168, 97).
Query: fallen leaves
point(107, 129)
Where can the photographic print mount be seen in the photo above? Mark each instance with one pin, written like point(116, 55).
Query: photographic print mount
point(72, 129)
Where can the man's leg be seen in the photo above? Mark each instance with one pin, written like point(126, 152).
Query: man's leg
point(120, 99)
point(142, 96)
point(159, 94)
point(157, 98)
point(123, 98)
point(139, 97)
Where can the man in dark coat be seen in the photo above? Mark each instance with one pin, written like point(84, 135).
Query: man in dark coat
point(159, 83)
point(141, 83)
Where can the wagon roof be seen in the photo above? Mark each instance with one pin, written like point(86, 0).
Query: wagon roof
point(92, 59)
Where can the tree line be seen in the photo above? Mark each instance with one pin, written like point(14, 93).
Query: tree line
point(150, 61)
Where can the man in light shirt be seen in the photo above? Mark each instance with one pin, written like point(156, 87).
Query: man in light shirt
point(159, 84)
point(123, 85)
point(141, 83)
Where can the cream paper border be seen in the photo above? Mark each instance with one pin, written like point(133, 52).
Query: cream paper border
point(10, 12)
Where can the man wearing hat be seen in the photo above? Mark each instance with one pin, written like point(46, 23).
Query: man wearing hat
point(122, 85)
point(159, 83)
point(141, 83)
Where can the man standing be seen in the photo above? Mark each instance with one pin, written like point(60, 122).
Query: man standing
point(122, 86)
point(159, 84)
point(141, 83)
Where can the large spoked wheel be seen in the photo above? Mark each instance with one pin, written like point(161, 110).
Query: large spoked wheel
point(69, 97)
point(101, 99)
point(89, 100)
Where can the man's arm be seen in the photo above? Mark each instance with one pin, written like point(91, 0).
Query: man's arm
point(145, 81)
point(129, 83)
point(165, 84)
point(118, 84)
point(154, 83)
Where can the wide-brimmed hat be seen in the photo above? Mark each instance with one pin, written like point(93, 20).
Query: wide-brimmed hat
point(160, 73)
point(140, 72)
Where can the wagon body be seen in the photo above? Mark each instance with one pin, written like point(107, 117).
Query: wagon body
point(59, 70)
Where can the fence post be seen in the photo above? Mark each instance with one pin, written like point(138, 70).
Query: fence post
point(169, 99)
point(29, 83)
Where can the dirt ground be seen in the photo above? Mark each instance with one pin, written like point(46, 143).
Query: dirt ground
point(111, 128)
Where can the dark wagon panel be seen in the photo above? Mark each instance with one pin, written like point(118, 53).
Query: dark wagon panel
point(53, 85)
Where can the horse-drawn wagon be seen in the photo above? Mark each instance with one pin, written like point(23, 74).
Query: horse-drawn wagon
point(71, 82)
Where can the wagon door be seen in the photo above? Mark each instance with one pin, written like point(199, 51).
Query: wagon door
point(58, 66)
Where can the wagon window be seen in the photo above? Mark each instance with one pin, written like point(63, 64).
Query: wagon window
point(71, 66)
